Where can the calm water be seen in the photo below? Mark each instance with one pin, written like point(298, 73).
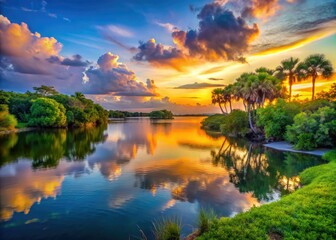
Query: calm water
point(109, 182)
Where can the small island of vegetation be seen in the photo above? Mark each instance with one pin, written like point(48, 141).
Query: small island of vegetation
point(161, 114)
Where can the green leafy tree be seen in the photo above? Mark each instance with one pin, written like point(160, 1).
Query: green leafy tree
point(45, 90)
point(7, 121)
point(47, 112)
point(275, 118)
point(313, 129)
point(235, 124)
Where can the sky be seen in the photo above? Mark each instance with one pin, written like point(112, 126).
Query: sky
point(144, 55)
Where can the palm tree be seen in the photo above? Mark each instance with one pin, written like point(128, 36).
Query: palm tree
point(218, 97)
point(254, 89)
point(317, 65)
point(228, 95)
point(288, 69)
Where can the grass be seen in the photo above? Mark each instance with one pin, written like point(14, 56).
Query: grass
point(205, 218)
point(308, 213)
point(167, 229)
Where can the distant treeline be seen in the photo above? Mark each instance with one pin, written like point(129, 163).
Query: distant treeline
point(48, 108)
point(158, 114)
point(125, 114)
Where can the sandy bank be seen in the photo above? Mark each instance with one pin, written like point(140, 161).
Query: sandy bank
point(284, 146)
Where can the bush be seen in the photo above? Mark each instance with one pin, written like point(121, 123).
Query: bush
point(213, 122)
point(161, 114)
point(311, 130)
point(235, 124)
point(7, 121)
point(275, 118)
point(47, 112)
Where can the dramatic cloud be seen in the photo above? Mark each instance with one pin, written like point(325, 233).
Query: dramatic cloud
point(220, 35)
point(261, 8)
point(74, 61)
point(113, 77)
point(25, 51)
point(27, 56)
point(151, 51)
point(199, 85)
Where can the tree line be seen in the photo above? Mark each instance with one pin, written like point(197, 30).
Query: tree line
point(257, 92)
point(45, 107)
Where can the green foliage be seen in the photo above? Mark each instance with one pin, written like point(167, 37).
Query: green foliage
point(45, 90)
point(313, 106)
point(213, 122)
point(330, 155)
point(79, 111)
point(274, 118)
point(205, 219)
point(7, 121)
point(161, 114)
point(328, 95)
point(235, 124)
point(47, 113)
point(308, 213)
point(311, 130)
point(167, 229)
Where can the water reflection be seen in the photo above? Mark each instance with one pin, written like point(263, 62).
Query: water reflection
point(47, 148)
point(133, 172)
point(252, 168)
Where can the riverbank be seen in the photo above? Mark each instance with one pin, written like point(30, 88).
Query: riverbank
point(308, 213)
point(285, 146)
point(17, 130)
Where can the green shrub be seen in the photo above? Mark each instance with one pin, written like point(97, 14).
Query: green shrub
point(7, 121)
point(274, 118)
point(311, 130)
point(167, 229)
point(47, 112)
point(161, 114)
point(330, 156)
point(313, 106)
point(205, 218)
point(235, 124)
point(213, 122)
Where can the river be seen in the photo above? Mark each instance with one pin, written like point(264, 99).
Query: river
point(111, 181)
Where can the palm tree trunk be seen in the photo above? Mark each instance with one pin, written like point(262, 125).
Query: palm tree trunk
point(250, 117)
point(290, 88)
point(221, 108)
point(225, 107)
point(230, 106)
point(313, 89)
point(244, 105)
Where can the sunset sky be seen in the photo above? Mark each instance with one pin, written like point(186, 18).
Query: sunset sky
point(143, 55)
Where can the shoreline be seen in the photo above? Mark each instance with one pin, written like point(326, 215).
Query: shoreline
point(285, 146)
point(17, 130)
